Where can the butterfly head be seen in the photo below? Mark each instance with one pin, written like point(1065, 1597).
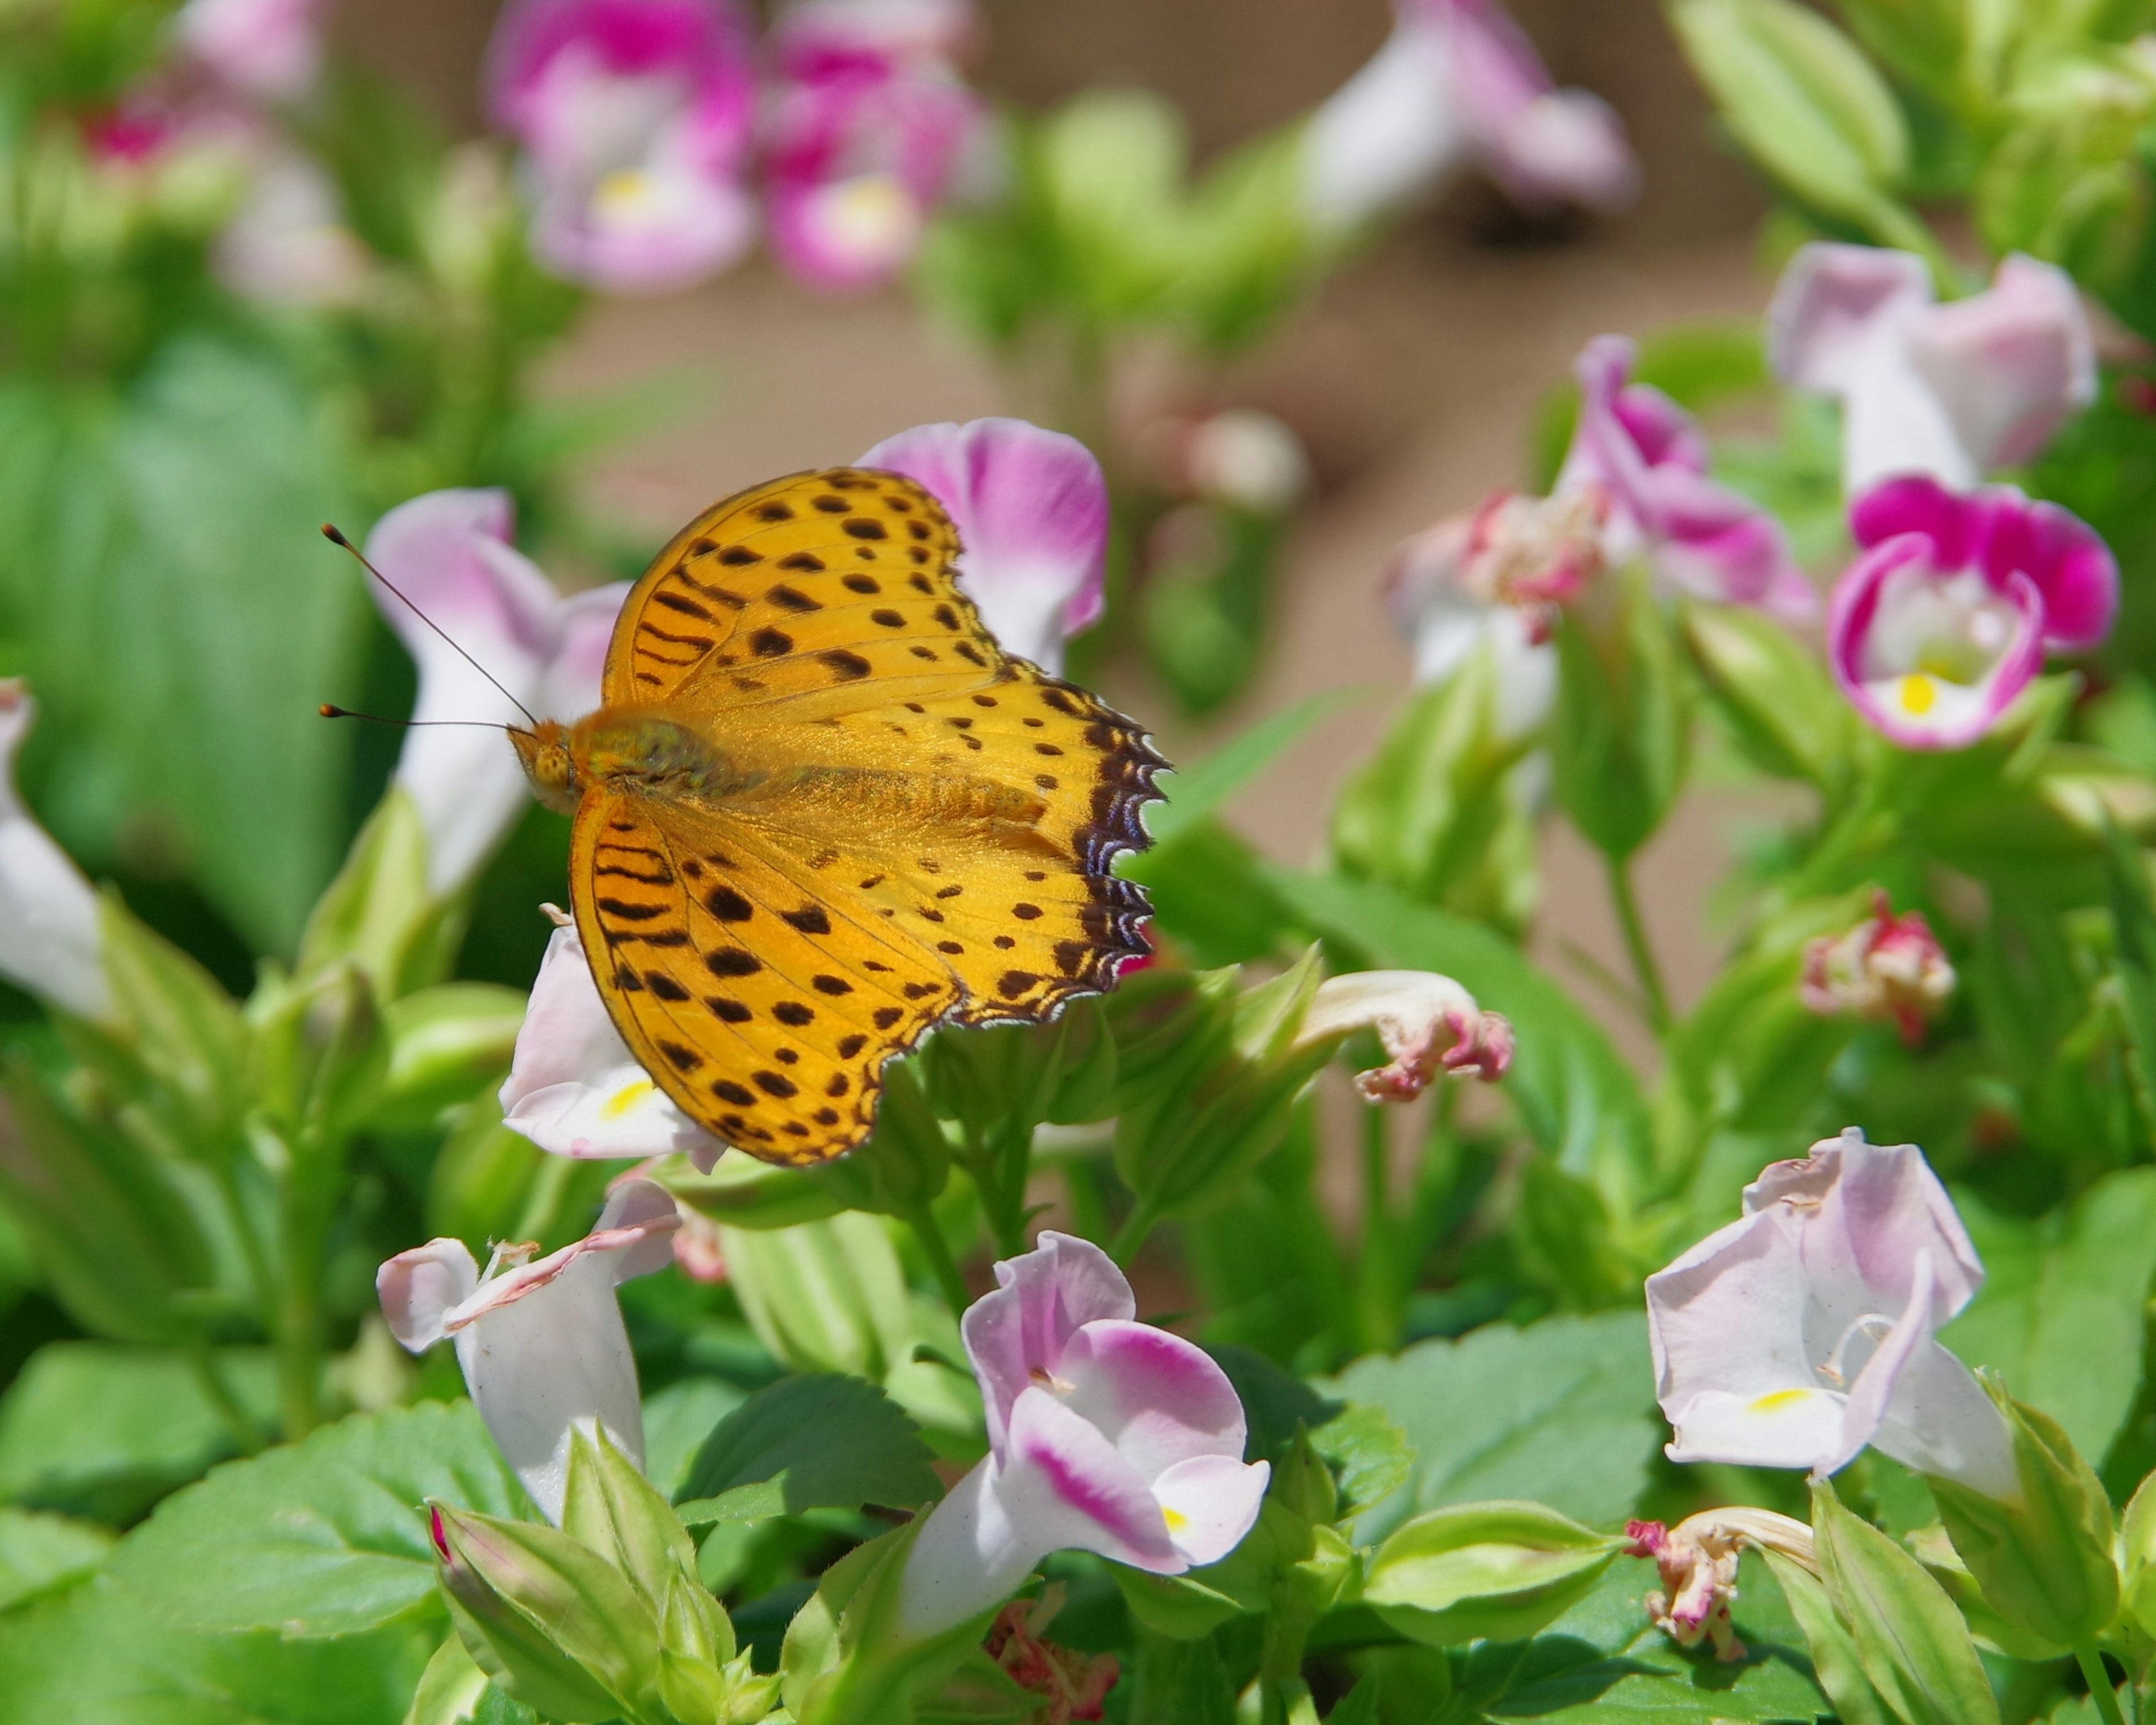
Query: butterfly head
point(548, 763)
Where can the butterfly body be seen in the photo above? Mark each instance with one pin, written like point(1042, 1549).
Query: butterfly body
point(821, 811)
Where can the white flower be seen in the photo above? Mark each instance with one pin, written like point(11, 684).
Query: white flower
point(541, 1344)
point(51, 933)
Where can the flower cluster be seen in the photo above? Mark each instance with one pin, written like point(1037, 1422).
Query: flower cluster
point(648, 126)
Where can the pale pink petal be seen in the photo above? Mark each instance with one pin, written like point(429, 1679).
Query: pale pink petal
point(1062, 1480)
point(52, 939)
point(1159, 1399)
point(571, 688)
point(269, 49)
point(1727, 1317)
point(1800, 1426)
point(1939, 1420)
point(420, 1288)
point(1210, 1502)
point(969, 1557)
point(1031, 509)
point(2010, 365)
point(1832, 307)
point(1042, 1298)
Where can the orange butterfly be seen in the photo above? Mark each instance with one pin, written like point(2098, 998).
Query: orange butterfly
point(821, 811)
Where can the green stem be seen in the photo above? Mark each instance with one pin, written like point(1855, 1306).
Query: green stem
point(2099, 1681)
point(1014, 1159)
point(1377, 1272)
point(238, 1420)
point(921, 1218)
point(543, 1200)
point(1644, 967)
point(1132, 1234)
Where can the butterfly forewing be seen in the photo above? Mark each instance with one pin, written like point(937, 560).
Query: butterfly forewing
point(923, 828)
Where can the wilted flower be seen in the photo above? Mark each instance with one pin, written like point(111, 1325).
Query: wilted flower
point(288, 244)
point(541, 1344)
point(1647, 457)
point(448, 554)
point(1031, 510)
point(635, 118)
point(1888, 968)
point(1427, 1025)
point(1105, 1435)
point(869, 130)
point(1698, 1560)
point(1457, 85)
point(1944, 619)
point(52, 939)
point(1447, 620)
point(573, 1088)
point(1950, 391)
point(1799, 1334)
point(268, 49)
point(1072, 1685)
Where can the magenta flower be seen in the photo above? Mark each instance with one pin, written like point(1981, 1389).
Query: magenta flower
point(1105, 1435)
point(268, 49)
point(1948, 391)
point(1803, 1331)
point(448, 552)
point(635, 119)
point(1458, 84)
point(1943, 622)
point(1648, 459)
point(541, 1344)
point(52, 936)
point(574, 1089)
point(1031, 510)
point(869, 130)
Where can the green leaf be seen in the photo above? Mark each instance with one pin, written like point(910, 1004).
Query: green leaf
point(38, 1551)
point(1605, 1663)
point(106, 1431)
point(2059, 1314)
point(445, 1045)
point(1368, 1450)
point(1802, 99)
point(824, 1441)
point(324, 1538)
point(1195, 793)
point(1560, 1411)
point(1621, 734)
point(1578, 1097)
point(676, 1421)
point(1911, 1642)
point(98, 1654)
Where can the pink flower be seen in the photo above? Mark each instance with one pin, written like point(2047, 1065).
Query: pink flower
point(268, 49)
point(574, 1089)
point(1647, 457)
point(448, 554)
point(1946, 391)
point(288, 244)
point(1426, 1023)
point(1943, 622)
point(541, 1344)
point(1888, 968)
point(51, 937)
point(1447, 590)
point(1105, 1435)
point(1799, 1334)
point(1458, 84)
point(1031, 510)
point(635, 119)
point(869, 130)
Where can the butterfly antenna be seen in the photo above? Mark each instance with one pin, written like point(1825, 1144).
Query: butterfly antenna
point(328, 712)
point(335, 537)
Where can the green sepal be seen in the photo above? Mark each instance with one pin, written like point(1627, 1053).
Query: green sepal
point(318, 1054)
point(1914, 1646)
point(1501, 1570)
point(378, 912)
point(1623, 725)
point(1180, 1607)
point(743, 1193)
point(186, 1032)
point(449, 1688)
point(446, 1045)
point(1771, 692)
point(906, 1163)
point(1835, 1661)
point(552, 1622)
point(2044, 1563)
point(609, 1508)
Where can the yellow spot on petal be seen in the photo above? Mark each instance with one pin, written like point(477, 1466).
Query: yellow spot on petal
point(624, 1099)
point(621, 192)
point(1919, 691)
point(1177, 1520)
point(1777, 1399)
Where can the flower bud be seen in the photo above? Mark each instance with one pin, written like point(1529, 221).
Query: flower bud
point(1888, 968)
point(2043, 1560)
point(1499, 1570)
point(553, 1624)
